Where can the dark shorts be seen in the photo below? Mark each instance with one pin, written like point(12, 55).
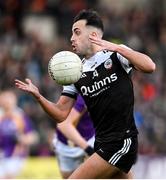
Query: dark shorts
point(122, 154)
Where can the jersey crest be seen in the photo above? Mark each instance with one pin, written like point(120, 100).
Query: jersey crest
point(108, 63)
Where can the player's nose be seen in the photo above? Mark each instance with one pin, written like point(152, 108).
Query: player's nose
point(72, 39)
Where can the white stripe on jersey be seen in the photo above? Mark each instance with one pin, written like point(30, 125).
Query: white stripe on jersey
point(70, 89)
point(101, 57)
point(96, 60)
point(114, 159)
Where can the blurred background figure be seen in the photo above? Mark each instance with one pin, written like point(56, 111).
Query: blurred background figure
point(74, 139)
point(16, 135)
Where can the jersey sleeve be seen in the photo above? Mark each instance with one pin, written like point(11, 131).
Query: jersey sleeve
point(124, 62)
point(79, 105)
point(70, 91)
point(28, 124)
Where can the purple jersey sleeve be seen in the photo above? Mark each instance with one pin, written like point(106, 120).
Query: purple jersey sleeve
point(28, 124)
point(79, 105)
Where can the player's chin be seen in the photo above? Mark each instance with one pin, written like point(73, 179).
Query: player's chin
point(76, 51)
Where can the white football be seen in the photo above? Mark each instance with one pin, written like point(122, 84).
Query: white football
point(65, 67)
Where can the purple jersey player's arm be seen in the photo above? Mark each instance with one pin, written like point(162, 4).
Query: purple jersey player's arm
point(68, 128)
point(30, 136)
point(58, 111)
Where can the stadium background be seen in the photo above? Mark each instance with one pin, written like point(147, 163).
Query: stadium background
point(31, 31)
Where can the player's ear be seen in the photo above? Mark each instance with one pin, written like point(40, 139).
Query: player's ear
point(94, 34)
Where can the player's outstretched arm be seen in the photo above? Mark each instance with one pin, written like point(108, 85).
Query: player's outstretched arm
point(58, 111)
point(140, 61)
point(28, 86)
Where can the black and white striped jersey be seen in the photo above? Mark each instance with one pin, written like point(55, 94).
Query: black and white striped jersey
point(107, 89)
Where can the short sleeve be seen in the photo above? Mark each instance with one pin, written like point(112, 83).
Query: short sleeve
point(124, 62)
point(70, 91)
point(80, 104)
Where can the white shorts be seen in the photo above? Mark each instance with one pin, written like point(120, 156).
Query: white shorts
point(69, 164)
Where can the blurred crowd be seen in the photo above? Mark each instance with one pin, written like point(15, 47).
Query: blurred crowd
point(32, 31)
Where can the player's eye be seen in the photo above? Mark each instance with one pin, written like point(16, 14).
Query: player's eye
point(77, 33)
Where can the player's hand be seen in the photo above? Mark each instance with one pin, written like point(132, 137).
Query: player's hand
point(104, 45)
point(89, 150)
point(27, 86)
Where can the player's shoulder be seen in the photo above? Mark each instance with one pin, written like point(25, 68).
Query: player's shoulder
point(98, 56)
point(104, 53)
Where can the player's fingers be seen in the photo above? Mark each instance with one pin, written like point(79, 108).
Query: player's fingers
point(18, 82)
point(93, 37)
point(28, 80)
point(96, 42)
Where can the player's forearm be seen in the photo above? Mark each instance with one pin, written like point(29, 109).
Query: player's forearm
point(52, 109)
point(72, 134)
point(139, 60)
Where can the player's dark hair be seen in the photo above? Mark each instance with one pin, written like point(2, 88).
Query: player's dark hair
point(92, 18)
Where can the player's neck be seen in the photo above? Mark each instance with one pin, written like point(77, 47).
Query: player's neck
point(92, 51)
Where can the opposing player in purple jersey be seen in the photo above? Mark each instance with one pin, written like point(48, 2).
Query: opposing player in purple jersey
point(16, 135)
point(107, 90)
point(74, 139)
